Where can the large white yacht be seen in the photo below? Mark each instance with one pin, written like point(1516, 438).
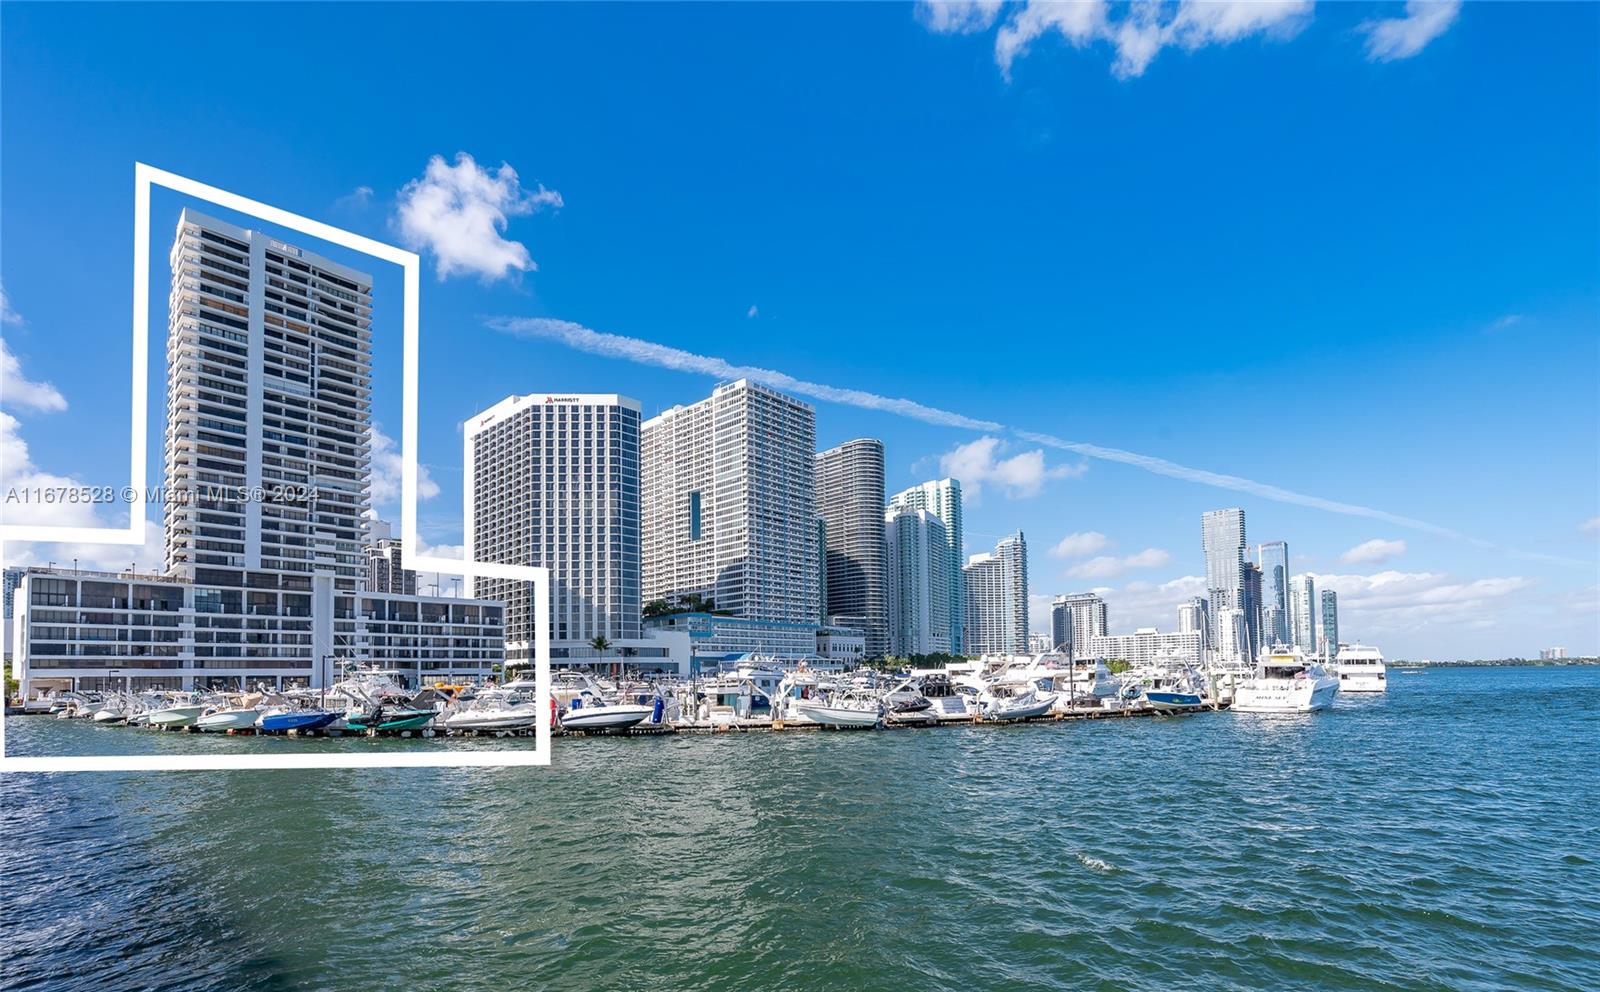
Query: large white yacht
point(1360, 668)
point(1286, 681)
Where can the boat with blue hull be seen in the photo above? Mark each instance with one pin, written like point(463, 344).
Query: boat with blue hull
point(284, 720)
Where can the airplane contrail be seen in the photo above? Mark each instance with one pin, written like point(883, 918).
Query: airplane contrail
point(644, 352)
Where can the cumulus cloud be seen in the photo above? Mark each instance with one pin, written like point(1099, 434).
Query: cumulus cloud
point(1373, 552)
point(1590, 526)
point(18, 471)
point(1394, 38)
point(753, 312)
point(17, 390)
point(1136, 37)
point(977, 463)
point(1401, 602)
point(958, 16)
point(1110, 566)
point(1080, 545)
point(1142, 603)
point(386, 472)
point(460, 212)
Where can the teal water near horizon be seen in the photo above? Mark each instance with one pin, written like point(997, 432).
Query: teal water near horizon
point(1445, 836)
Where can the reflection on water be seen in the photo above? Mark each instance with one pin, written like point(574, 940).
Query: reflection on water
point(1442, 837)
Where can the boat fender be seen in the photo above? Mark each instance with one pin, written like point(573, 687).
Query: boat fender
point(656, 711)
point(552, 712)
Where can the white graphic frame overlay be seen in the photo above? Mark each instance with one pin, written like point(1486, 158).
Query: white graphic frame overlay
point(428, 754)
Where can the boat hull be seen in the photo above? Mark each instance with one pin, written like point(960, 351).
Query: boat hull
point(1162, 700)
point(839, 716)
point(228, 720)
point(176, 716)
point(605, 717)
point(277, 723)
point(1251, 698)
point(516, 719)
point(110, 716)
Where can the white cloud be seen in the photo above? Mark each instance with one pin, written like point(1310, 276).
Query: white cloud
point(1078, 22)
point(753, 312)
point(7, 315)
point(357, 199)
point(1149, 604)
point(1373, 552)
point(1590, 526)
point(386, 472)
point(460, 212)
point(1023, 475)
point(1393, 602)
point(643, 352)
point(1079, 545)
point(18, 472)
point(1504, 323)
point(1402, 37)
point(17, 390)
point(958, 16)
point(1146, 28)
point(1110, 566)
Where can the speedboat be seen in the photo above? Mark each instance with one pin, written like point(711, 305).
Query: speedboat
point(1286, 682)
point(1360, 668)
point(494, 712)
point(844, 709)
point(387, 718)
point(237, 718)
point(281, 719)
point(1020, 701)
point(591, 712)
point(180, 712)
point(114, 710)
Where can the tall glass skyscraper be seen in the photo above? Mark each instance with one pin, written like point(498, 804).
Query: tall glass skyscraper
point(850, 503)
point(943, 500)
point(1273, 557)
point(1223, 540)
point(1330, 623)
point(1303, 612)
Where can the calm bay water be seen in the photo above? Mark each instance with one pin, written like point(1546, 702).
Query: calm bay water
point(1446, 836)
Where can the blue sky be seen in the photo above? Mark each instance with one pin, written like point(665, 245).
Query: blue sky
point(1353, 260)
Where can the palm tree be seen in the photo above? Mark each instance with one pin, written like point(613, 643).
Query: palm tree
point(599, 642)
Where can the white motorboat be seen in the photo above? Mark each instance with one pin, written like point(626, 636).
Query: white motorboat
point(112, 711)
point(584, 714)
point(1286, 682)
point(496, 711)
point(845, 709)
point(235, 718)
point(1005, 701)
point(179, 715)
point(1360, 668)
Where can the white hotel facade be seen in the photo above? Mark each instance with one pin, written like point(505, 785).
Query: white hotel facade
point(728, 511)
point(268, 475)
point(552, 480)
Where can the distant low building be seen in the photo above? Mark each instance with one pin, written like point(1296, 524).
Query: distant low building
point(843, 645)
point(1552, 654)
point(1146, 646)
